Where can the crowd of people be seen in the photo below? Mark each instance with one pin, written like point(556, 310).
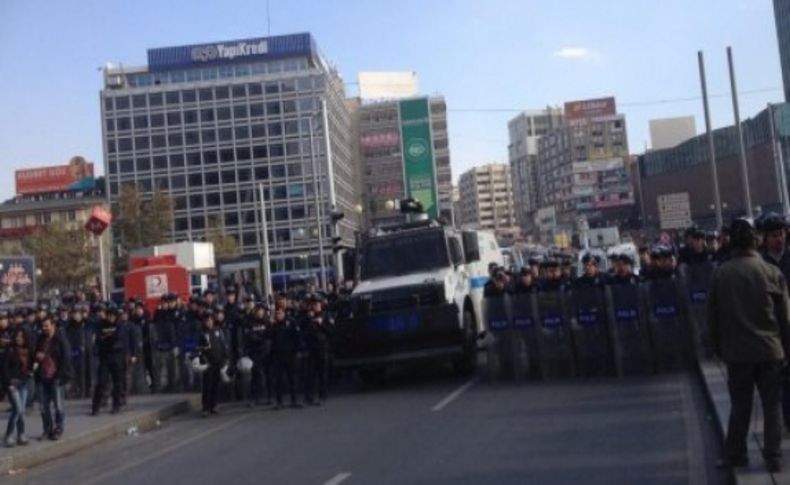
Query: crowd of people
point(747, 310)
point(267, 352)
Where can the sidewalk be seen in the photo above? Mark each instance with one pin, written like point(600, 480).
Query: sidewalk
point(714, 377)
point(83, 431)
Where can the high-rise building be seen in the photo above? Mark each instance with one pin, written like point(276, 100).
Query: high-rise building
point(209, 123)
point(486, 197)
point(782, 14)
point(383, 135)
point(669, 132)
point(582, 169)
point(524, 132)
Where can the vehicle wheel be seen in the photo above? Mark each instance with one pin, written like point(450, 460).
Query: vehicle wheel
point(467, 363)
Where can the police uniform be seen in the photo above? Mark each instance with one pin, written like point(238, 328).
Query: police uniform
point(115, 344)
point(213, 350)
point(318, 335)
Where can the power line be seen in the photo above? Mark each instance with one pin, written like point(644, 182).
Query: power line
point(654, 102)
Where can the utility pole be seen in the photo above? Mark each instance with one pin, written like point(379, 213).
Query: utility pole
point(779, 160)
point(267, 272)
point(711, 146)
point(747, 196)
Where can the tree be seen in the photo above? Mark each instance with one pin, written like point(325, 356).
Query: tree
point(11, 248)
point(225, 246)
point(65, 257)
point(141, 223)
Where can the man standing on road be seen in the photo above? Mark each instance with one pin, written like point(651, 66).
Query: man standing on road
point(748, 320)
point(53, 357)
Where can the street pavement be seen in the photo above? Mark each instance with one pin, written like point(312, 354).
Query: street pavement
point(427, 428)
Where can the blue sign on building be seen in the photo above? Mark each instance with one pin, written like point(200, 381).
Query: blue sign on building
point(258, 48)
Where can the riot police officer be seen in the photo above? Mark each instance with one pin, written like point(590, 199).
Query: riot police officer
point(213, 350)
point(591, 277)
point(116, 347)
point(78, 335)
point(256, 347)
point(150, 346)
point(525, 283)
point(694, 252)
point(284, 341)
point(318, 335)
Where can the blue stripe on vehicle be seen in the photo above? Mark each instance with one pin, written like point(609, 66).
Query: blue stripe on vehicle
point(478, 281)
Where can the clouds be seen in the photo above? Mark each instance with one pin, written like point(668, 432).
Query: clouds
point(577, 53)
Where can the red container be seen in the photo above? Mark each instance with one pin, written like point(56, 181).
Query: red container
point(152, 277)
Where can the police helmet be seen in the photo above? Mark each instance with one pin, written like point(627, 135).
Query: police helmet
point(626, 259)
point(770, 221)
point(225, 374)
point(695, 232)
point(4, 314)
point(199, 364)
point(244, 365)
point(231, 290)
point(591, 258)
point(661, 251)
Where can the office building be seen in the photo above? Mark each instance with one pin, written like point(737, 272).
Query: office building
point(383, 134)
point(782, 14)
point(582, 167)
point(524, 132)
point(486, 197)
point(669, 132)
point(683, 172)
point(209, 123)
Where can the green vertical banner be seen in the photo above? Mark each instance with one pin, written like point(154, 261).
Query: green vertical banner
point(418, 165)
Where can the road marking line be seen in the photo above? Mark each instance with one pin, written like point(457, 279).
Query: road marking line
point(166, 450)
point(338, 479)
point(453, 396)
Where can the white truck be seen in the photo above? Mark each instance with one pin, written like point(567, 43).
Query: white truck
point(419, 296)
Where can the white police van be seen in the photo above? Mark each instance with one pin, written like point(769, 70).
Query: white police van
point(419, 296)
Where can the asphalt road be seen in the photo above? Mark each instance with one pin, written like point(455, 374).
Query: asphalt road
point(430, 429)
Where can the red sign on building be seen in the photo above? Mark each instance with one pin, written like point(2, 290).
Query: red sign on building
point(590, 108)
point(77, 175)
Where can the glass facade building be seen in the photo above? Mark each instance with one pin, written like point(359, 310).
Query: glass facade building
point(209, 123)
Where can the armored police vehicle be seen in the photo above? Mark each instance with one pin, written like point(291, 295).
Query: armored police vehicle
point(419, 296)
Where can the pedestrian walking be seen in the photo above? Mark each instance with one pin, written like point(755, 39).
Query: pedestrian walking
point(16, 370)
point(748, 320)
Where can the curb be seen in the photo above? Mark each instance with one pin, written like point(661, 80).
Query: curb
point(756, 474)
point(88, 439)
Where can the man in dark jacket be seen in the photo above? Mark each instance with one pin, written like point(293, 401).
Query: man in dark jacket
point(318, 335)
point(53, 356)
point(214, 352)
point(116, 349)
point(748, 310)
point(78, 335)
point(256, 347)
point(284, 340)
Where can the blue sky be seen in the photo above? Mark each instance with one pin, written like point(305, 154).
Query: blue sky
point(484, 54)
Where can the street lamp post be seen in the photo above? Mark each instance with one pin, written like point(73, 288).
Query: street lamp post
point(267, 271)
point(318, 206)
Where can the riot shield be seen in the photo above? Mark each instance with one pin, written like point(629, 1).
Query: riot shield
point(496, 310)
point(697, 279)
point(669, 329)
point(591, 334)
point(527, 336)
point(630, 335)
point(556, 341)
